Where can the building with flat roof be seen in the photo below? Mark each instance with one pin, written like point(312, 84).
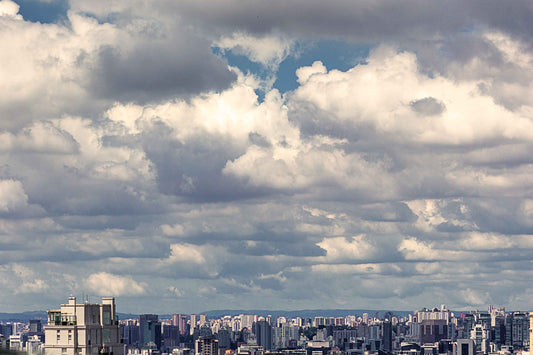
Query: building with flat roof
point(83, 329)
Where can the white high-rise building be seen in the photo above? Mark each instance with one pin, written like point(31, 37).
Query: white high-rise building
point(193, 323)
point(247, 320)
point(83, 329)
point(435, 314)
point(365, 318)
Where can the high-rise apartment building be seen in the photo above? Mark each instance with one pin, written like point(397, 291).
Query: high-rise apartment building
point(182, 323)
point(481, 336)
point(499, 330)
point(206, 346)
point(530, 331)
point(520, 330)
point(193, 323)
point(203, 320)
point(365, 318)
point(83, 329)
point(433, 314)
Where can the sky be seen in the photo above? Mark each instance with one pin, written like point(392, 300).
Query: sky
point(194, 155)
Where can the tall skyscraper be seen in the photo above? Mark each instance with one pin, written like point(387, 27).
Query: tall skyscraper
point(171, 337)
point(130, 334)
point(203, 320)
point(387, 336)
point(263, 334)
point(149, 329)
point(499, 330)
point(83, 329)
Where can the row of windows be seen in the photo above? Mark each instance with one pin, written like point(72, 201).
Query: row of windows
point(106, 334)
point(76, 351)
point(69, 335)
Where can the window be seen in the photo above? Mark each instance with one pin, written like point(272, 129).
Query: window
point(58, 335)
point(106, 318)
point(69, 335)
point(106, 333)
point(63, 351)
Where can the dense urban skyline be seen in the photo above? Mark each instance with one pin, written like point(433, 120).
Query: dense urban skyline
point(200, 154)
point(83, 328)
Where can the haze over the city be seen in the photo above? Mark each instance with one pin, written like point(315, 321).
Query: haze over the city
point(193, 155)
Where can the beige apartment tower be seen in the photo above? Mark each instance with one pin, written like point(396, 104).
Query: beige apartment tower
point(531, 332)
point(83, 329)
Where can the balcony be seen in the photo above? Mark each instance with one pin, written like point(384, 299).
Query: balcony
point(56, 318)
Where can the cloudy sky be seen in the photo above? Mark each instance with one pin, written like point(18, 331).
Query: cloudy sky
point(203, 154)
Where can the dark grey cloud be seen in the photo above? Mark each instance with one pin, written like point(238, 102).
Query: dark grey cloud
point(362, 20)
point(193, 170)
point(155, 71)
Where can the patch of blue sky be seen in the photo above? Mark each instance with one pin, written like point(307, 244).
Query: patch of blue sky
point(43, 12)
point(338, 55)
point(245, 65)
point(241, 61)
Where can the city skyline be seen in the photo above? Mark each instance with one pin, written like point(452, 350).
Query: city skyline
point(203, 154)
point(89, 328)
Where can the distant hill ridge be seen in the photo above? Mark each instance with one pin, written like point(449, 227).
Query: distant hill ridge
point(23, 316)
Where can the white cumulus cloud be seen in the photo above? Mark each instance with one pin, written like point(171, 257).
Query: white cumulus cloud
point(106, 284)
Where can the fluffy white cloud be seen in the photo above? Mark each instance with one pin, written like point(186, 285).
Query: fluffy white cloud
point(35, 286)
point(382, 92)
point(9, 9)
point(342, 249)
point(105, 284)
point(414, 249)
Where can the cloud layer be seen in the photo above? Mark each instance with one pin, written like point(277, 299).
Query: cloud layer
point(135, 162)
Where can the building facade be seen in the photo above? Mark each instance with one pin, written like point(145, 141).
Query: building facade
point(83, 329)
point(206, 346)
